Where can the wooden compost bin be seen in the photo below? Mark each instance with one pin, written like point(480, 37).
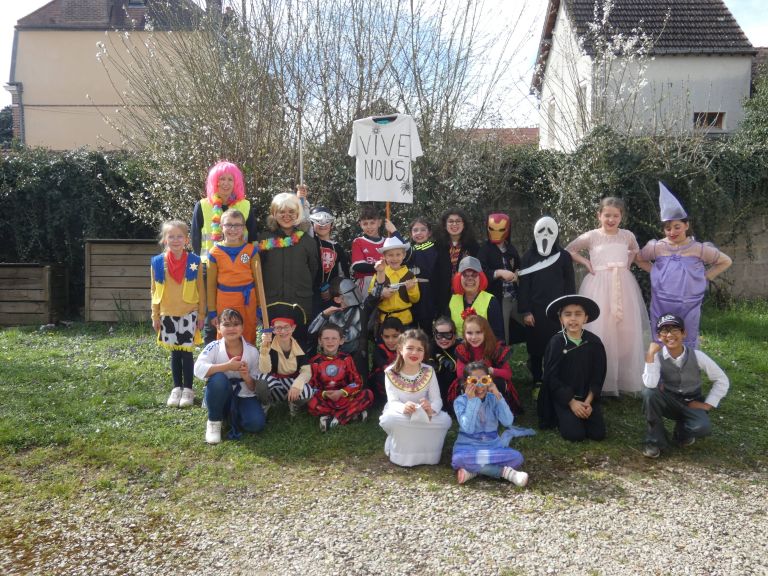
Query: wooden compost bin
point(32, 293)
point(117, 280)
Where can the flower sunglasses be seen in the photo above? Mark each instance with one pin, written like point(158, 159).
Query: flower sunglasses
point(482, 381)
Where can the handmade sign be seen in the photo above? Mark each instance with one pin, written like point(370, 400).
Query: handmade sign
point(383, 148)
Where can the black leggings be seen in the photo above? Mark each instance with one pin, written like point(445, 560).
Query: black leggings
point(182, 366)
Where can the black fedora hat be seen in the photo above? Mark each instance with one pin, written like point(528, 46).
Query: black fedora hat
point(590, 306)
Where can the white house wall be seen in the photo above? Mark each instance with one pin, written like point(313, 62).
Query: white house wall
point(678, 86)
point(568, 72)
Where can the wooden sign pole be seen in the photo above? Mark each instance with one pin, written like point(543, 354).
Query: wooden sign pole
point(261, 295)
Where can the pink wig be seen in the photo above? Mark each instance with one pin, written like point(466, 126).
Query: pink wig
point(218, 170)
point(459, 289)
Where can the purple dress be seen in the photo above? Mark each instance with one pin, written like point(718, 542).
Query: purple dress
point(679, 282)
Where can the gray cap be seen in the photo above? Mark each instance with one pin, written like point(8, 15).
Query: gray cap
point(470, 263)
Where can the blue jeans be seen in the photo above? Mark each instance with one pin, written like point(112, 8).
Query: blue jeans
point(220, 398)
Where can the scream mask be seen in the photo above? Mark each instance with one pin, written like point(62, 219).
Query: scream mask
point(545, 235)
point(498, 228)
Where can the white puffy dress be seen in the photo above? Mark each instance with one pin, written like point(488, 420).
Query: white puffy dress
point(415, 439)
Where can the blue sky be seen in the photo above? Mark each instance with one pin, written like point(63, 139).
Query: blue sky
point(752, 15)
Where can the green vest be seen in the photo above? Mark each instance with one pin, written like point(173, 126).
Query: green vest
point(456, 306)
point(205, 237)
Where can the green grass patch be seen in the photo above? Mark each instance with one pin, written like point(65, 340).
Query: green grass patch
point(83, 412)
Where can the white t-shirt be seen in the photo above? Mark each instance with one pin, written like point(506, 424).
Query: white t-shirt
point(216, 353)
point(383, 154)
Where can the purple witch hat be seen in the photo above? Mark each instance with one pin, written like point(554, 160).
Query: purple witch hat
point(669, 206)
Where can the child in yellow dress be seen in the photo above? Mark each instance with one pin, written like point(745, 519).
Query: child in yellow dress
point(178, 307)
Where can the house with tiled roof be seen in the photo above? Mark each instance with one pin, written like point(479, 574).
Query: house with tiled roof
point(640, 66)
point(60, 91)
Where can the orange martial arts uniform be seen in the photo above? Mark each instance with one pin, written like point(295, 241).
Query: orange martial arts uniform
point(232, 284)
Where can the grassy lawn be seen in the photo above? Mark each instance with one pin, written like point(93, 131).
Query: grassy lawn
point(83, 413)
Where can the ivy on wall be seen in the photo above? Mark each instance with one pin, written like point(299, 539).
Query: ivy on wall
point(50, 202)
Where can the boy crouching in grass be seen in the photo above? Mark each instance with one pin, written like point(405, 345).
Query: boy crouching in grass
point(672, 379)
point(339, 394)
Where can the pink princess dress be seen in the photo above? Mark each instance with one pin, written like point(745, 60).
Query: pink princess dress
point(623, 322)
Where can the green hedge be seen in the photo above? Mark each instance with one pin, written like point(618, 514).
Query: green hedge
point(50, 202)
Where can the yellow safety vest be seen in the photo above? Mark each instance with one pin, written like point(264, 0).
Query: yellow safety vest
point(205, 237)
point(456, 306)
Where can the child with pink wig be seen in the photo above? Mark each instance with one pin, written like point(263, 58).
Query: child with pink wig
point(224, 189)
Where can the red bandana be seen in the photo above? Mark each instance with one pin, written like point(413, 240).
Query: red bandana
point(176, 266)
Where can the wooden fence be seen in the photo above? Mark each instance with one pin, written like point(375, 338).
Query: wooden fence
point(117, 280)
point(32, 293)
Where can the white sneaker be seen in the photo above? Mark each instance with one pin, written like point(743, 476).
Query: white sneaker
point(213, 432)
point(175, 397)
point(187, 398)
point(333, 423)
point(364, 416)
point(324, 423)
point(517, 477)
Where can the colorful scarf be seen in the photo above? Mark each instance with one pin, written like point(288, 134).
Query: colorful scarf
point(176, 266)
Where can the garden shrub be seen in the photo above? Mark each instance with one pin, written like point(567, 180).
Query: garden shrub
point(51, 202)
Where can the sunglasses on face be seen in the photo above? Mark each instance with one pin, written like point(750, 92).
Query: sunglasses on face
point(482, 381)
point(444, 335)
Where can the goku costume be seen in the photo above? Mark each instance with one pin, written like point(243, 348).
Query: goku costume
point(231, 273)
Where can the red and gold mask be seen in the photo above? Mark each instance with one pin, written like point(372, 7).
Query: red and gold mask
point(498, 228)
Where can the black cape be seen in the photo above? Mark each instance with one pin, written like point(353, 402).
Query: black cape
point(537, 290)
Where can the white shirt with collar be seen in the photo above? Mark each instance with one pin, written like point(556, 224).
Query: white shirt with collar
point(720, 382)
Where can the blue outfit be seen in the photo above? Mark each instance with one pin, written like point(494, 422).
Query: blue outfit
point(245, 414)
point(479, 447)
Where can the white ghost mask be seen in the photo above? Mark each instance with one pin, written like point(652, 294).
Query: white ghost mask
point(545, 234)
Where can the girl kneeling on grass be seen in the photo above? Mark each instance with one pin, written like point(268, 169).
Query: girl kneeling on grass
point(412, 419)
point(479, 449)
point(234, 386)
point(178, 307)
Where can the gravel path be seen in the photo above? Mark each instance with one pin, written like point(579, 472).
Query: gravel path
point(659, 520)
